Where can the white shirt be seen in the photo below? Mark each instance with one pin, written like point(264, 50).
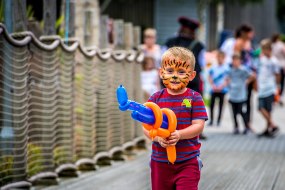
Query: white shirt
point(266, 71)
point(278, 50)
point(228, 48)
point(149, 80)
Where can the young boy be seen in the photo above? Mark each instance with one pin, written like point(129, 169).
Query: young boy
point(177, 70)
point(238, 78)
point(217, 79)
point(267, 77)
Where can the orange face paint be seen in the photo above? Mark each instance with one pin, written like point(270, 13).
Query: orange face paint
point(176, 74)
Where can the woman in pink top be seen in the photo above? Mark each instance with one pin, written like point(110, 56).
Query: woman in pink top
point(150, 48)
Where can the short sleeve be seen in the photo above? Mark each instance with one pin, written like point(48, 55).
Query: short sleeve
point(276, 67)
point(152, 98)
point(198, 108)
point(211, 72)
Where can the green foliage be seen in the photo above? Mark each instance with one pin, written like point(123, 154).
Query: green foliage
point(207, 101)
point(30, 12)
point(35, 158)
point(2, 11)
point(58, 26)
point(60, 155)
point(6, 166)
point(283, 37)
point(280, 10)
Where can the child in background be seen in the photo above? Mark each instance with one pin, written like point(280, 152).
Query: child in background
point(177, 70)
point(149, 77)
point(238, 77)
point(267, 80)
point(217, 79)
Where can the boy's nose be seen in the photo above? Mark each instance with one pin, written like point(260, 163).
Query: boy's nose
point(175, 77)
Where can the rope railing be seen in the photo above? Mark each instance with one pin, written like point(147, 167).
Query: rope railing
point(58, 107)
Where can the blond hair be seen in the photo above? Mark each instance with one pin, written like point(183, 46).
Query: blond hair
point(266, 44)
point(150, 32)
point(182, 53)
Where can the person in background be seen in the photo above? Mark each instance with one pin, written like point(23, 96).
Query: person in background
point(149, 77)
point(187, 38)
point(267, 80)
point(228, 46)
point(217, 80)
point(243, 45)
point(150, 48)
point(237, 79)
point(278, 51)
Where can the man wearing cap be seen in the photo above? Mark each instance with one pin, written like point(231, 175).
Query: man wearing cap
point(186, 38)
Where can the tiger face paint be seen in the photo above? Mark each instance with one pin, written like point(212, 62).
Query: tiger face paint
point(176, 74)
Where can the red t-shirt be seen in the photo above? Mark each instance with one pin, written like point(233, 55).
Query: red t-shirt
point(187, 107)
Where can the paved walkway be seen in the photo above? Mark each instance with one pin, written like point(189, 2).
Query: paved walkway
point(230, 162)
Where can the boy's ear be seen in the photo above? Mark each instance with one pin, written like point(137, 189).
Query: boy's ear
point(192, 75)
point(160, 72)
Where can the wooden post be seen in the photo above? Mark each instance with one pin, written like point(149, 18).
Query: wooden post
point(104, 40)
point(119, 34)
point(49, 15)
point(71, 19)
point(19, 16)
point(137, 36)
point(128, 36)
point(88, 27)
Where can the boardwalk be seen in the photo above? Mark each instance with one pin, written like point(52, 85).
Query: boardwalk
point(230, 162)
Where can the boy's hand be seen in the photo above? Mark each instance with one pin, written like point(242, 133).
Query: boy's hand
point(162, 142)
point(174, 138)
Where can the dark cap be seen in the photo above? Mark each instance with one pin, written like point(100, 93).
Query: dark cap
point(189, 23)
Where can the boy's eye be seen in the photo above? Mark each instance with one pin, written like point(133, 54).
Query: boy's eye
point(181, 72)
point(169, 70)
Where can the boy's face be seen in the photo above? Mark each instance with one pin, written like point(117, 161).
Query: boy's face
point(176, 74)
point(266, 51)
point(236, 62)
point(220, 59)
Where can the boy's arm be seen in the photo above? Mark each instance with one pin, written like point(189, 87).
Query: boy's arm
point(190, 132)
point(251, 78)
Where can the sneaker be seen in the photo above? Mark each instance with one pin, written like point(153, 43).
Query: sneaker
point(203, 137)
point(274, 131)
point(218, 124)
point(210, 124)
point(245, 131)
point(265, 133)
point(236, 131)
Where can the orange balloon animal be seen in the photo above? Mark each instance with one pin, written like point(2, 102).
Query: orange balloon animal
point(155, 130)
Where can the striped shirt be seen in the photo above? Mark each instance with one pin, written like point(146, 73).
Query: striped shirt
point(187, 107)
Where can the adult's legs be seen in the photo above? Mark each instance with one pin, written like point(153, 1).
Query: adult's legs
point(248, 101)
point(282, 78)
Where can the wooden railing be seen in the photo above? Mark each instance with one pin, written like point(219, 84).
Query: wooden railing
point(58, 107)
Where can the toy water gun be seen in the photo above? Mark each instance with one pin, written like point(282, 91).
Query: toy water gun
point(158, 122)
